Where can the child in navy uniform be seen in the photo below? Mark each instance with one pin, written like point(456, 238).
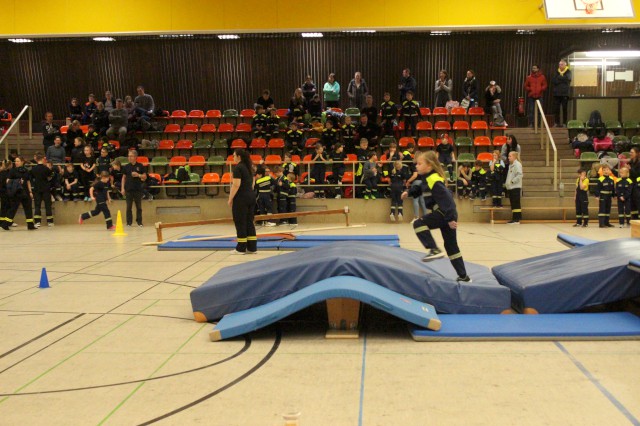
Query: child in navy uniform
point(582, 199)
point(494, 181)
point(281, 188)
point(99, 192)
point(291, 198)
point(329, 135)
point(293, 139)
point(259, 123)
point(465, 180)
point(397, 180)
point(264, 186)
point(410, 112)
point(348, 134)
point(103, 163)
point(444, 215)
point(446, 156)
point(604, 193)
point(479, 181)
point(319, 169)
point(389, 111)
point(116, 180)
point(370, 176)
point(70, 184)
point(337, 167)
point(624, 187)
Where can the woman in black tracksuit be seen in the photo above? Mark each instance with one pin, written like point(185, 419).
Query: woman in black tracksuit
point(242, 201)
point(444, 215)
point(23, 196)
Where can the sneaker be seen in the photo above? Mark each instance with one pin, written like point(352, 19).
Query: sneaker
point(37, 225)
point(234, 251)
point(483, 199)
point(366, 197)
point(432, 254)
point(373, 197)
point(269, 224)
point(80, 220)
point(400, 218)
point(465, 279)
point(576, 225)
point(513, 222)
point(608, 225)
point(585, 225)
point(392, 217)
point(14, 225)
point(338, 196)
point(50, 225)
point(58, 198)
point(252, 252)
point(140, 225)
point(128, 225)
point(111, 228)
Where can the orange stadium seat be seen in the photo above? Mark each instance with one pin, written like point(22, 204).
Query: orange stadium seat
point(426, 142)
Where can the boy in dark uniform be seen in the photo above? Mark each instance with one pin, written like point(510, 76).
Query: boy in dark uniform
point(318, 170)
point(116, 180)
point(291, 199)
point(604, 191)
point(389, 112)
point(479, 181)
point(70, 183)
point(273, 125)
point(397, 179)
point(494, 180)
point(259, 123)
point(42, 176)
point(348, 131)
point(99, 192)
point(289, 167)
point(411, 112)
point(293, 139)
point(103, 163)
point(281, 187)
point(92, 137)
point(582, 199)
point(264, 185)
point(329, 135)
point(624, 186)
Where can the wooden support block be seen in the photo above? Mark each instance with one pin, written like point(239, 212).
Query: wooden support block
point(635, 229)
point(343, 317)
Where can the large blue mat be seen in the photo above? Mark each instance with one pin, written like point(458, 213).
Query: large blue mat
point(276, 243)
point(242, 322)
point(573, 279)
point(634, 265)
point(601, 326)
point(240, 287)
point(572, 241)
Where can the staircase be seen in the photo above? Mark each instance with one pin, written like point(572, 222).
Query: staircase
point(538, 178)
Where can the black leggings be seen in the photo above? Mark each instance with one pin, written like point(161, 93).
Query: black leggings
point(242, 210)
point(134, 196)
point(100, 208)
point(516, 208)
point(436, 220)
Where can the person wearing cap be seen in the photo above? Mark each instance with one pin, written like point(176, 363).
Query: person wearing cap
point(118, 119)
point(492, 97)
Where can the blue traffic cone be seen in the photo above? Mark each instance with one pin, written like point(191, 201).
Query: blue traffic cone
point(44, 281)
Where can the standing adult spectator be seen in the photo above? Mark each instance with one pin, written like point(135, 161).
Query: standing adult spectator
point(535, 85)
point(331, 92)
point(634, 174)
point(561, 84)
point(133, 175)
point(309, 89)
point(492, 106)
point(49, 130)
point(144, 103)
point(109, 101)
point(469, 90)
point(242, 201)
point(265, 100)
point(118, 119)
point(407, 84)
point(357, 91)
point(514, 187)
point(443, 89)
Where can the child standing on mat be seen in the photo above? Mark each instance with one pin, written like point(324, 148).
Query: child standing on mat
point(444, 215)
point(99, 192)
point(582, 199)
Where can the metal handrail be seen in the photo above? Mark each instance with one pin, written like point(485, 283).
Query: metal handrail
point(13, 124)
point(549, 138)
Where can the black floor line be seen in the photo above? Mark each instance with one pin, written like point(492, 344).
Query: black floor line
point(263, 361)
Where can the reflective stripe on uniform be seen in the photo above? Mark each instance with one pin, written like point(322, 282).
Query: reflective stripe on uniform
point(455, 256)
point(421, 229)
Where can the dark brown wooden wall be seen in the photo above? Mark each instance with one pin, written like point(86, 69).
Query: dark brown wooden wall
point(207, 73)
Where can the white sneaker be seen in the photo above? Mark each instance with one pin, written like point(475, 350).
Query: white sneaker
point(234, 251)
point(269, 224)
point(50, 225)
point(392, 217)
point(400, 218)
point(37, 225)
point(338, 196)
point(14, 225)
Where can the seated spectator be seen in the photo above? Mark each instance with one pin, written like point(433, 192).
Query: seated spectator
point(273, 124)
point(368, 131)
point(297, 106)
point(91, 137)
point(75, 110)
point(100, 119)
point(130, 107)
point(329, 135)
point(56, 153)
point(49, 131)
point(144, 104)
point(259, 123)
point(89, 108)
point(118, 119)
point(492, 96)
point(74, 131)
point(266, 101)
point(348, 131)
point(109, 101)
point(309, 89)
point(370, 110)
point(315, 107)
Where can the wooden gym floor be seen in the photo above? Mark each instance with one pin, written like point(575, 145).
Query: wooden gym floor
point(113, 342)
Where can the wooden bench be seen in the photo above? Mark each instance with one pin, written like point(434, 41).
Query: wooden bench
point(564, 210)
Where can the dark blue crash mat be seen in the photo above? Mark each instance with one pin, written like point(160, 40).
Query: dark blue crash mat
point(597, 326)
point(276, 243)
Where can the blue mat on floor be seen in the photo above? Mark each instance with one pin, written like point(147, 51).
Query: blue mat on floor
point(573, 279)
point(242, 322)
point(634, 265)
point(276, 243)
point(600, 326)
point(572, 241)
point(239, 287)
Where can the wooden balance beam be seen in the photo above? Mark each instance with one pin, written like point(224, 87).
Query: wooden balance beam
point(160, 226)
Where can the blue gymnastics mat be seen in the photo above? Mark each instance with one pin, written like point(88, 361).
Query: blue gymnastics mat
point(418, 313)
point(239, 287)
point(634, 265)
point(572, 241)
point(600, 326)
point(276, 243)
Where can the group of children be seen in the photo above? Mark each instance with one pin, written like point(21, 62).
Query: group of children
point(607, 187)
point(482, 180)
point(280, 186)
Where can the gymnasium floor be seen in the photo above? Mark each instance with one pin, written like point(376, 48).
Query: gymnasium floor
point(113, 342)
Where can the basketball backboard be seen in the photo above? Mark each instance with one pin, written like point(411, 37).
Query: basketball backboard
point(588, 9)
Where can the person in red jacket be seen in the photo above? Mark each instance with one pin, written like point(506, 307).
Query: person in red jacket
point(535, 85)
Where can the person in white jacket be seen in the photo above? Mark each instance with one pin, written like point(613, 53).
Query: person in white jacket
point(514, 187)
